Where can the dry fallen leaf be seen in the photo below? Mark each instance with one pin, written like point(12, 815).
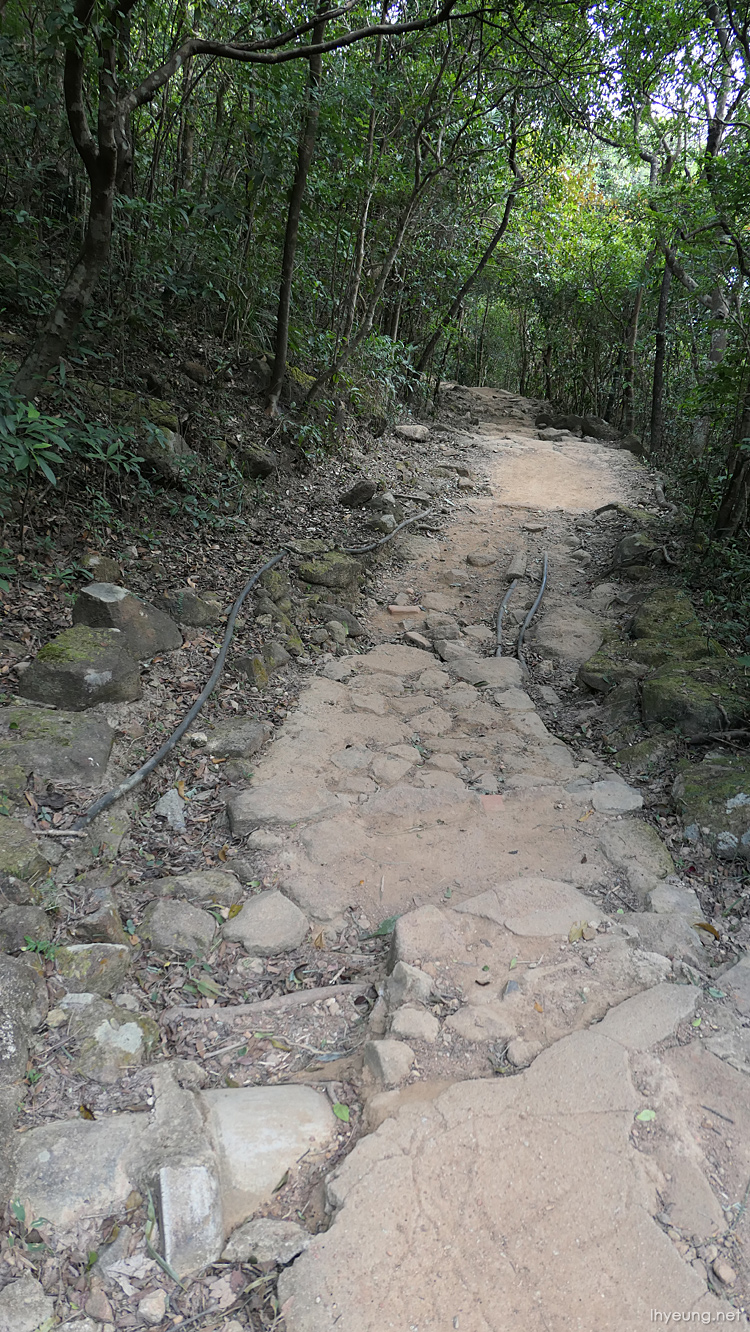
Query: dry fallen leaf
point(538, 1008)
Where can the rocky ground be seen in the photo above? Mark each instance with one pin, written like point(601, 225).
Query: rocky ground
point(413, 991)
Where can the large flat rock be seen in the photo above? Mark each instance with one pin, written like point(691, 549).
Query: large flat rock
point(54, 746)
point(569, 633)
point(279, 803)
point(260, 1133)
point(514, 1205)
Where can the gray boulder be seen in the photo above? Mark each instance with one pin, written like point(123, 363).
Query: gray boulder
point(178, 927)
point(329, 610)
point(596, 428)
point(203, 886)
point(23, 991)
point(239, 737)
point(19, 923)
point(145, 630)
point(24, 1307)
point(80, 668)
point(54, 746)
point(360, 494)
point(199, 609)
point(267, 925)
point(22, 864)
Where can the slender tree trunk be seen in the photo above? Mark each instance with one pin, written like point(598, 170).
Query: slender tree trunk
point(657, 394)
point(629, 376)
point(458, 300)
point(733, 509)
point(359, 249)
point(304, 158)
point(349, 348)
point(79, 288)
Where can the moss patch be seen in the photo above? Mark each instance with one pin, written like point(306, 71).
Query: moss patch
point(332, 569)
point(79, 644)
point(713, 798)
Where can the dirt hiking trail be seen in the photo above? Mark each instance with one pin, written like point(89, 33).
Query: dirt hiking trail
point(540, 1154)
point(439, 1045)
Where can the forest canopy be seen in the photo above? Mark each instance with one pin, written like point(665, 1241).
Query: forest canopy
point(540, 197)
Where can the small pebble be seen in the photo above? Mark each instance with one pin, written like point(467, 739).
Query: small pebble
point(723, 1272)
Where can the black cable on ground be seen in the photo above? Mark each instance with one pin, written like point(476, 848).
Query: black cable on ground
point(362, 550)
point(501, 611)
point(532, 613)
point(137, 777)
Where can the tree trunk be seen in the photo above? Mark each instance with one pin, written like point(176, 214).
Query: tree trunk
point(629, 376)
point(657, 395)
point(304, 158)
point(458, 300)
point(733, 509)
point(75, 296)
point(349, 348)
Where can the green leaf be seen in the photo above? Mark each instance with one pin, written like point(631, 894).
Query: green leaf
point(645, 1116)
point(18, 1210)
point(341, 1112)
point(716, 994)
point(208, 986)
point(386, 926)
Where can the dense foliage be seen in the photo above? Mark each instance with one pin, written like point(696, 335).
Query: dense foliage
point(539, 197)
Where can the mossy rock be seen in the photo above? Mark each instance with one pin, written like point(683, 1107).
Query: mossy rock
point(645, 757)
point(93, 968)
point(276, 584)
point(299, 377)
point(132, 409)
point(333, 569)
point(635, 549)
point(111, 1040)
point(82, 667)
point(254, 667)
point(612, 665)
point(22, 865)
point(621, 715)
point(666, 613)
point(713, 798)
point(256, 461)
point(676, 697)
point(53, 746)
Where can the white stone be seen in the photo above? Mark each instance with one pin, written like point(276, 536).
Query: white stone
point(24, 1307)
point(390, 1062)
point(260, 1133)
point(266, 1240)
point(191, 1217)
point(415, 1024)
point(267, 925)
point(612, 797)
point(153, 1307)
point(171, 807)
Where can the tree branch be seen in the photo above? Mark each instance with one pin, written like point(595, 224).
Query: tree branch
point(251, 53)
